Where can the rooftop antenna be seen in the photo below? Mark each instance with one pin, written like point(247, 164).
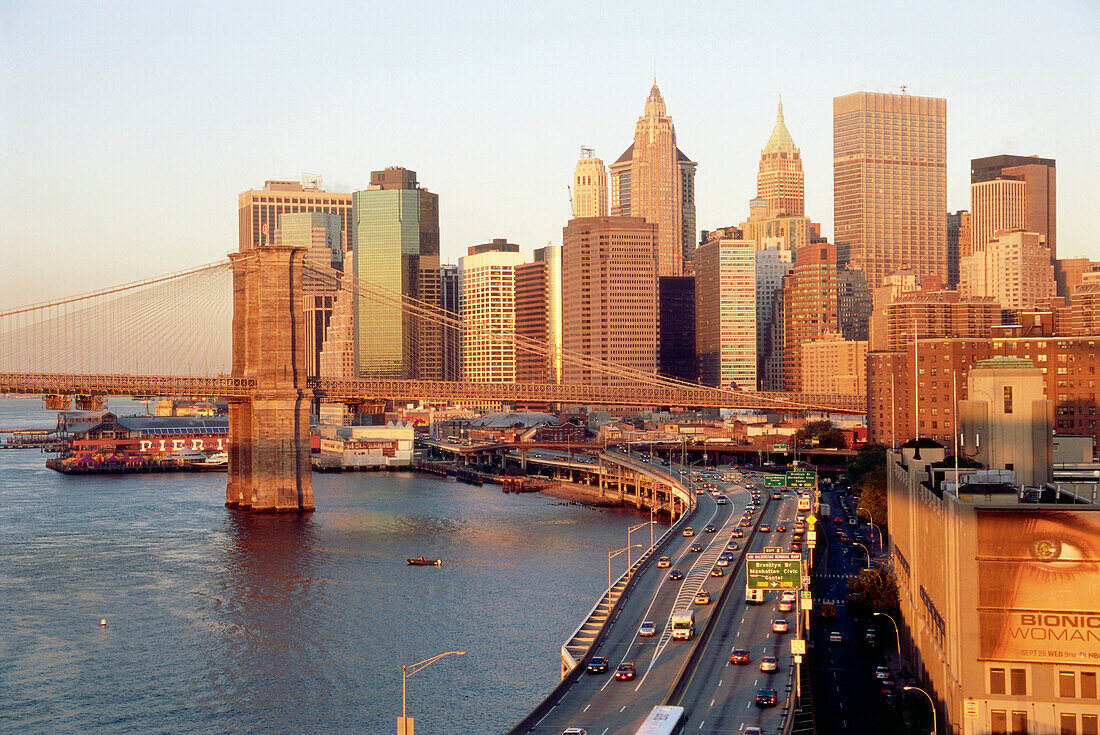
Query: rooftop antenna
point(905, 89)
point(587, 152)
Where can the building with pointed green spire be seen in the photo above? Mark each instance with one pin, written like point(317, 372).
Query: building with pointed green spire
point(780, 180)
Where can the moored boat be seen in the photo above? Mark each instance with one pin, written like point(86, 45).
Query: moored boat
point(422, 562)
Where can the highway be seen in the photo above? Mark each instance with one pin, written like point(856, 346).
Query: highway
point(719, 697)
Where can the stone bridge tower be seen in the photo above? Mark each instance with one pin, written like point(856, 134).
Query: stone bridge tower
point(269, 454)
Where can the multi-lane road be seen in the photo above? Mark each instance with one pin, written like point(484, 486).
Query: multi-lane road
point(719, 697)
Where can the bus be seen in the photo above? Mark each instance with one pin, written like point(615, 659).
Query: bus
point(662, 720)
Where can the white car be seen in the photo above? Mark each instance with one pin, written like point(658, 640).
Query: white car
point(788, 595)
point(769, 663)
point(647, 628)
point(786, 606)
point(780, 626)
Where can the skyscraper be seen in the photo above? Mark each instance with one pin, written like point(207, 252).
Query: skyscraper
point(677, 332)
point(1013, 269)
point(488, 286)
point(779, 180)
point(958, 244)
point(609, 296)
point(395, 244)
point(653, 179)
point(1039, 177)
point(321, 234)
point(725, 311)
point(809, 306)
point(589, 186)
point(996, 204)
point(258, 210)
point(551, 256)
point(890, 183)
point(450, 300)
point(533, 321)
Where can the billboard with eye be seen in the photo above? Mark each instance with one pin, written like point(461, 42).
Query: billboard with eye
point(1039, 585)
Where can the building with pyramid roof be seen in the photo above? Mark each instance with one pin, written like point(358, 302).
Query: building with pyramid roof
point(780, 180)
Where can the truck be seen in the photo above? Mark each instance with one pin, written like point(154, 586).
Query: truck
point(683, 625)
point(754, 596)
point(823, 509)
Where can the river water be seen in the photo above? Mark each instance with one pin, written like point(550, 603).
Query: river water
point(222, 622)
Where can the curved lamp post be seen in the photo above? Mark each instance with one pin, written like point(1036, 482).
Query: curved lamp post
point(897, 634)
point(908, 688)
point(611, 555)
point(632, 529)
point(405, 725)
point(868, 553)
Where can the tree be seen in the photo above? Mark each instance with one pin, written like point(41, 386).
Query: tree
point(874, 590)
point(813, 431)
point(867, 473)
point(870, 458)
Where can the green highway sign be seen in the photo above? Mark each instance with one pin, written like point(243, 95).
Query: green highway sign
point(779, 447)
point(773, 571)
point(774, 481)
point(801, 478)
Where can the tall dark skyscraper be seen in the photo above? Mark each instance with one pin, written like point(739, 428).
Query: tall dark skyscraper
point(1039, 177)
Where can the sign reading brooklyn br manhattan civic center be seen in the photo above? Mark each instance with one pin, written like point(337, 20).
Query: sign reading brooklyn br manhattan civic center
point(773, 571)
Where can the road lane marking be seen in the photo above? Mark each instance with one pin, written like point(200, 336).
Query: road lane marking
point(586, 708)
point(720, 682)
point(605, 731)
point(701, 724)
point(623, 709)
point(712, 703)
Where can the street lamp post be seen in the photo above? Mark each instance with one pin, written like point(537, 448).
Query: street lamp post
point(868, 553)
point(871, 520)
point(934, 728)
point(611, 555)
point(405, 724)
point(632, 529)
point(897, 634)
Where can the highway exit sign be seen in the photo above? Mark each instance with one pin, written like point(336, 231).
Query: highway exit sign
point(779, 447)
point(801, 478)
point(773, 571)
point(774, 481)
point(773, 549)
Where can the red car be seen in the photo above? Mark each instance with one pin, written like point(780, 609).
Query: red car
point(625, 672)
point(739, 656)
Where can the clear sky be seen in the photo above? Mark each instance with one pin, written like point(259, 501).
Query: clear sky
point(130, 128)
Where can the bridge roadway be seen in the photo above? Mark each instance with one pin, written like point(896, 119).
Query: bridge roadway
point(719, 697)
point(359, 389)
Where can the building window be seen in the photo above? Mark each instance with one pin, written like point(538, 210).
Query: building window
point(998, 722)
point(1008, 399)
point(1019, 723)
point(1089, 725)
point(1067, 684)
point(996, 681)
point(1088, 685)
point(1068, 722)
point(1019, 681)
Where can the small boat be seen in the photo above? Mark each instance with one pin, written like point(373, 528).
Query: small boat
point(422, 562)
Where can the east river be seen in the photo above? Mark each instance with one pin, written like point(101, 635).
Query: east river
point(223, 622)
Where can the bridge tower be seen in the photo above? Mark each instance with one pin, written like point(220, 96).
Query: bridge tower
point(269, 455)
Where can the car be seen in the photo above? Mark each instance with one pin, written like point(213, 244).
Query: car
point(739, 656)
point(647, 629)
point(717, 572)
point(625, 672)
point(689, 531)
point(733, 546)
point(737, 533)
point(769, 663)
point(777, 496)
point(675, 575)
point(696, 547)
point(836, 519)
point(788, 595)
point(882, 672)
point(702, 598)
point(765, 528)
point(766, 698)
point(780, 625)
point(786, 606)
point(796, 546)
point(723, 561)
point(574, 731)
point(709, 528)
point(781, 528)
point(597, 665)
point(752, 731)
point(745, 524)
point(664, 562)
point(887, 686)
point(720, 500)
point(871, 637)
point(699, 492)
point(836, 637)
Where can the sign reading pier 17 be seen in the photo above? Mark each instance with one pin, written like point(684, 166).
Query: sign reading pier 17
point(773, 571)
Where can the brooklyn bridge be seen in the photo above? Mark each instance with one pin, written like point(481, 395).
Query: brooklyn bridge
point(235, 330)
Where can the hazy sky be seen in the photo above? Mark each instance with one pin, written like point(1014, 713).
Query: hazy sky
point(129, 129)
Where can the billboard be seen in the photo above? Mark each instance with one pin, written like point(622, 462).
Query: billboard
point(1039, 585)
point(773, 571)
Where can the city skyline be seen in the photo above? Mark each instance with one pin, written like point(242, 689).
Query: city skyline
point(149, 140)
